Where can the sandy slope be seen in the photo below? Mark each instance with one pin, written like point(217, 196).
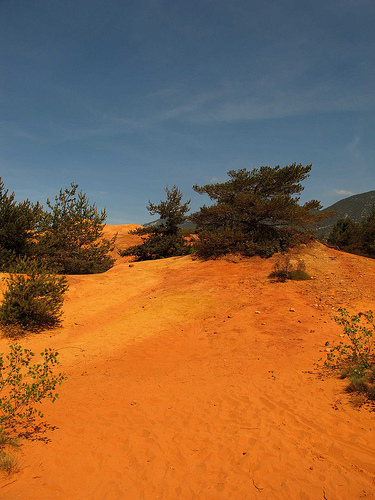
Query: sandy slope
point(179, 389)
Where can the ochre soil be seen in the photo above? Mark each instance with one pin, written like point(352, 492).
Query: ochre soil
point(201, 380)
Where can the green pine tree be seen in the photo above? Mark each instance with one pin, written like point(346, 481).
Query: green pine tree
point(17, 224)
point(255, 212)
point(164, 239)
point(70, 236)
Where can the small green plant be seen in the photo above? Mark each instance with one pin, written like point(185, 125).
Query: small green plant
point(354, 356)
point(34, 299)
point(6, 440)
point(24, 385)
point(284, 270)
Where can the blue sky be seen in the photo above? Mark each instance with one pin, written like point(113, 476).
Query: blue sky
point(125, 97)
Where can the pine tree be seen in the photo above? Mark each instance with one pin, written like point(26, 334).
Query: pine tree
point(17, 223)
point(256, 212)
point(70, 237)
point(164, 239)
point(355, 237)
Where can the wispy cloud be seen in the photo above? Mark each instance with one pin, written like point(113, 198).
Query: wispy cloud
point(280, 103)
point(19, 131)
point(341, 192)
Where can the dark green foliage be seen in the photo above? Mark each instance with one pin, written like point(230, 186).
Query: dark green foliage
point(354, 237)
point(354, 356)
point(159, 246)
point(264, 242)
point(172, 211)
point(33, 300)
point(342, 232)
point(355, 207)
point(70, 237)
point(164, 239)
point(17, 223)
point(255, 212)
point(368, 235)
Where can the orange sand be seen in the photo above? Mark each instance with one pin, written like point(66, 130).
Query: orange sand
point(178, 389)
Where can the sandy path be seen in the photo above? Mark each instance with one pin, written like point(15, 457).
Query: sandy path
point(179, 389)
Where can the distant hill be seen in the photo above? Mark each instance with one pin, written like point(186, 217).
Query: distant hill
point(356, 207)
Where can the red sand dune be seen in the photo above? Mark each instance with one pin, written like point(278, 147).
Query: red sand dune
point(178, 388)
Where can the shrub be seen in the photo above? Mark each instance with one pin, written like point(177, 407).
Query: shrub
point(158, 246)
point(33, 300)
point(355, 354)
point(23, 385)
point(284, 270)
point(297, 275)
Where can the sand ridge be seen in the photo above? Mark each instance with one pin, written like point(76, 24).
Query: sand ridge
point(191, 379)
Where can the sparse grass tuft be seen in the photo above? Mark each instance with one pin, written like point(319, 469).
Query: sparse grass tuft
point(299, 275)
point(6, 440)
point(8, 463)
point(8, 460)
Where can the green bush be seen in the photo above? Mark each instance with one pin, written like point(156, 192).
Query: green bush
point(297, 275)
point(34, 299)
point(284, 270)
point(158, 246)
point(214, 244)
point(24, 385)
point(354, 356)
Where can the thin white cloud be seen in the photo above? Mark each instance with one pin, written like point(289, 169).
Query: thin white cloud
point(280, 103)
point(353, 145)
point(19, 131)
point(341, 192)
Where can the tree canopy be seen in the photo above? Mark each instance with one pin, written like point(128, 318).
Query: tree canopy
point(17, 223)
point(70, 236)
point(163, 239)
point(256, 212)
point(172, 212)
point(355, 237)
